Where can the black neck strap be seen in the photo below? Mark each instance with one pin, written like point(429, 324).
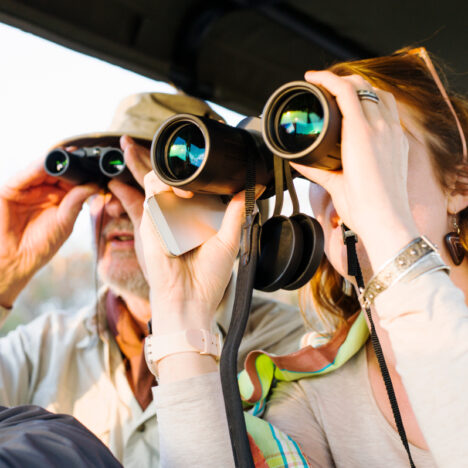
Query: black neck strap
point(240, 314)
point(354, 269)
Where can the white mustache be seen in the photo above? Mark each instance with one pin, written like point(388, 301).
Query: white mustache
point(117, 225)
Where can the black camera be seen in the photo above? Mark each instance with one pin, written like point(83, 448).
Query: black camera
point(96, 164)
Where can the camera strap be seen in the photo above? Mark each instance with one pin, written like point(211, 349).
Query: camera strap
point(354, 269)
point(244, 289)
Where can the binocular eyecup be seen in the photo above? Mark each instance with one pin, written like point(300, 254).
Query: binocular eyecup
point(85, 165)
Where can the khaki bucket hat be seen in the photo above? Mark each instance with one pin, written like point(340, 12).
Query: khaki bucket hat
point(140, 116)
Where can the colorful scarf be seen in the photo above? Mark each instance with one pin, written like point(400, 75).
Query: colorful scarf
point(270, 447)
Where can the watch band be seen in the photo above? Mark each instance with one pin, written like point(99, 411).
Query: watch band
point(201, 341)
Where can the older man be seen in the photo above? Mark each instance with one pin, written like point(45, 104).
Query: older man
point(90, 364)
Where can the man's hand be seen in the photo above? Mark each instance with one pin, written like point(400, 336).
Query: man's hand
point(138, 162)
point(37, 214)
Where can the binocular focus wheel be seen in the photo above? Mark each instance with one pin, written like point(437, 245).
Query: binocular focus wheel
point(313, 246)
point(280, 252)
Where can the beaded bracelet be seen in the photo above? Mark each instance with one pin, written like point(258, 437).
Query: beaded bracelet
point(401, 265)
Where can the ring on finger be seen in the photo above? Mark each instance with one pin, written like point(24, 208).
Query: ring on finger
point(367, 95)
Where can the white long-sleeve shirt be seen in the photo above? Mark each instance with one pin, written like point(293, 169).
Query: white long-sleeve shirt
point(427, 321)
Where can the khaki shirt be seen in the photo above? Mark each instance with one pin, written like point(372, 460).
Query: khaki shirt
point(59, 361)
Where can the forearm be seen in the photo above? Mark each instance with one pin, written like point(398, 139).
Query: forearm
point(192, 423)
point(427, 322)
point(182, 366)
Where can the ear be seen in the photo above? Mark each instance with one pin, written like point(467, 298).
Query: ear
point(457, 202)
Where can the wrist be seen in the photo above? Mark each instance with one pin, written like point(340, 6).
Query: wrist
point(185, 365)
point(7, 300)
point(174, 317)
point(182, 354)
point(383, 243)
point(418, 257)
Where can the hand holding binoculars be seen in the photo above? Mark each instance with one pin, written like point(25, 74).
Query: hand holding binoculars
point(301, 122)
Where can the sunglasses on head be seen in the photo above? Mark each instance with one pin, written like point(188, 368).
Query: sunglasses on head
point(422, 53)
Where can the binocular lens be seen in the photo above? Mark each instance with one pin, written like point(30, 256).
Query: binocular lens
point(57, 162)
point(185, 152)
point(300, 122)
point(112, 162)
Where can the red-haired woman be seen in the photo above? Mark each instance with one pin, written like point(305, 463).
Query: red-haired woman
point(404, 176)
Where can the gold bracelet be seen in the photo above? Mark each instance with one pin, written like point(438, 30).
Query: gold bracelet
point(401, 265)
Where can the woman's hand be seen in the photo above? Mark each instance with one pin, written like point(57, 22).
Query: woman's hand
point(37, 214)
point(186, 290)
point(370, 192)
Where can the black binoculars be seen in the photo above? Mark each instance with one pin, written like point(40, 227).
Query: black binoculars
point(301, 122)
point(96, 164)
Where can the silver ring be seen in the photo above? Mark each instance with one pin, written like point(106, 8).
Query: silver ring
point(367, 95)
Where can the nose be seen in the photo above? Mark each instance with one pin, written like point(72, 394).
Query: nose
point(114, 208)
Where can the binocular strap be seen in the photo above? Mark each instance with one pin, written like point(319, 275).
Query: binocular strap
point(228, 363)
point(354, 269)
point(240, 314)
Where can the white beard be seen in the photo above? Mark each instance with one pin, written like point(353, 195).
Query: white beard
point(123, 283)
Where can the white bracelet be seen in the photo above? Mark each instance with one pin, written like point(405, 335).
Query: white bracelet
point(201, 341)
point(403, 263)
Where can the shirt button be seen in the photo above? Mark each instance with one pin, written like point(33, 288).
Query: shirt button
point(141, 428)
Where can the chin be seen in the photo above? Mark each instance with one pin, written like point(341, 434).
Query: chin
point(123, 278)
point(337, 254)
point(335, 251)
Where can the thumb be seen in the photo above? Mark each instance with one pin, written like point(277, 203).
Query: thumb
point(72, 202)
point(230, 231)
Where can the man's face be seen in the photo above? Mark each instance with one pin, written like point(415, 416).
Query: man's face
point(118, 265)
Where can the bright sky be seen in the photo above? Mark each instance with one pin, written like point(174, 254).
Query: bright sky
point(49, 93)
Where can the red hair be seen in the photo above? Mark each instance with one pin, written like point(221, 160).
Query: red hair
point(408, 79)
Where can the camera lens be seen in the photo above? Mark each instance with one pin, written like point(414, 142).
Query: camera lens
point(185, 152)
point(57, 162)
point(112, 162)
point(299, 122)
